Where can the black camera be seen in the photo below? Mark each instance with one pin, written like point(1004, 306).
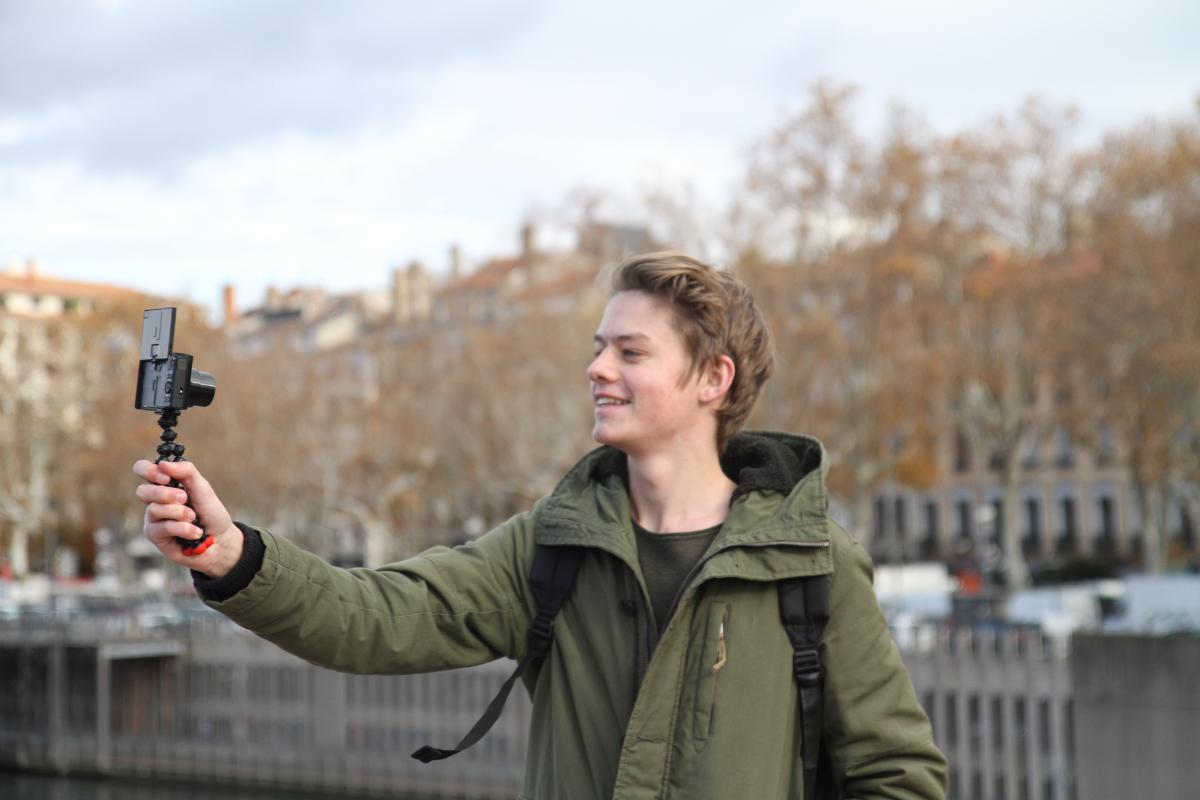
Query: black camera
point(167, 383)
point(166, 379)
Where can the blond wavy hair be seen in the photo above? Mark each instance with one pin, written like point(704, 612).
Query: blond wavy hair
point(716, 315)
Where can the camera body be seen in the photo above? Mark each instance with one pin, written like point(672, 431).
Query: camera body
point(167, 381)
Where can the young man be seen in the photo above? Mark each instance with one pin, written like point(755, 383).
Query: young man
point(670, 673)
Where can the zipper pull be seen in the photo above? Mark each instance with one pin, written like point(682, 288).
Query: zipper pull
point(720, 649)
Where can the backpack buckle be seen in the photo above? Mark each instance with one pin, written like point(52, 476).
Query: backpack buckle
point(807, 665)
point(540, 635)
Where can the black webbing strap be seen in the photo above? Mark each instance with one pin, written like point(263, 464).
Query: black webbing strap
point(551, 578)
point(804, 610)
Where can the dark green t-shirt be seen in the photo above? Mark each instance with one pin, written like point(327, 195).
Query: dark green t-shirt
point(666, 559)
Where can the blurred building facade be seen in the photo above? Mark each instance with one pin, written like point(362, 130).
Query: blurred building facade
point(47, 382)
point(1075, 502)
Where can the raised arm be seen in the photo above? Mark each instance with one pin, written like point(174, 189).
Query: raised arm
point(445, 608)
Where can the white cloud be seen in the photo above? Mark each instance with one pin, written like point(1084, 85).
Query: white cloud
point(180, 147)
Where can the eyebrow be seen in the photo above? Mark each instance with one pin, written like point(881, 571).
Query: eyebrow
point(624, 337)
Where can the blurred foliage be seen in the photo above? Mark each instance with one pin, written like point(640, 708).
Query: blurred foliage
point(1001, 284)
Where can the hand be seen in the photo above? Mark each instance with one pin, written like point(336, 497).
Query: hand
point(168, 516)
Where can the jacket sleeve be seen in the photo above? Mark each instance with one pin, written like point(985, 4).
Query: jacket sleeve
point(880, 740)
point(442, 609)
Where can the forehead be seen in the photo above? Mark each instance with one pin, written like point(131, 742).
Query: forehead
point(634, 313)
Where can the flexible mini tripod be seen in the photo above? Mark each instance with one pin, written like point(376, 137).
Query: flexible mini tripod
point(167, 384)
point(171, 450)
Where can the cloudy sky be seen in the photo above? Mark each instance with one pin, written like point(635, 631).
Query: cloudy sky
point(176, 146)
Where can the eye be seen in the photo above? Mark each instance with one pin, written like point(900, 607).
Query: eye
point(630, 353)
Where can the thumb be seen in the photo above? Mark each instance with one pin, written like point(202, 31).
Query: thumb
point(201, 496)
point(198, 490)
point(183, 471)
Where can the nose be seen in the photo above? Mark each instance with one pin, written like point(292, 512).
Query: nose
point(601, 369)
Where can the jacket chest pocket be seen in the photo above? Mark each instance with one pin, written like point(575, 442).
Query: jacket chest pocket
point(708, 659)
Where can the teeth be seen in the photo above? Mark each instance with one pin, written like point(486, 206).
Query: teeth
point(610, 401)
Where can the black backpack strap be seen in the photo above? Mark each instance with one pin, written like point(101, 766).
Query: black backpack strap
point(804, 610)
point(551, 578)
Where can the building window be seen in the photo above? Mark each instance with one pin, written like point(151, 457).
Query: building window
point(1066, 450)
point(929, 541)
point(1187, 530)
point(1032, 458)
point(998, 522)
point(1106, 538)
point(1068, 534)
point(1033, 526)
point(900, 508)
point(963, 507)
point(962, 452)
point(880, 518)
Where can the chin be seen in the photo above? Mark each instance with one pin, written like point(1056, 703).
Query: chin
point(603, 435)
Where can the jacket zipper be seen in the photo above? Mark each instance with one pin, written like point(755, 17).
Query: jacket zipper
point(683, 587)
point(716, 667)
point(647, 634)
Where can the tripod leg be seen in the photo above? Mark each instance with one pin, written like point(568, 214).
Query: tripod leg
point(171, 450)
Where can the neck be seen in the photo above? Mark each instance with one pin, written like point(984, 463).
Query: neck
point(679, 491)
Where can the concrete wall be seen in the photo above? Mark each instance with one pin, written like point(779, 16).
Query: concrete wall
point(1137, 716)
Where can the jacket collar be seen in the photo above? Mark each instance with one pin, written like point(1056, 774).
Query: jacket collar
point(780, 498)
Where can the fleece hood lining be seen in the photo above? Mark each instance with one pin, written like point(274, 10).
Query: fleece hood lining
point(756, 462)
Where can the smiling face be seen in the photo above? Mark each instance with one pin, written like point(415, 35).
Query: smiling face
point(641, 400)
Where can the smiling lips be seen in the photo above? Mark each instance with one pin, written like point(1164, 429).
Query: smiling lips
point(608, 400)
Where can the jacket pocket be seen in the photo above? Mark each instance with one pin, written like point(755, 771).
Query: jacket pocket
point(713, 655)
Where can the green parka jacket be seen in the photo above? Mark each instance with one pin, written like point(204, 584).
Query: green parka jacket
point(710, 710)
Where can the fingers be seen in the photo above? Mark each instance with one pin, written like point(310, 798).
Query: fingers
point(164, 471)
point(163, 534)
point(163, 495)
point(158, 512)
point(175, 512)
point(149, 471)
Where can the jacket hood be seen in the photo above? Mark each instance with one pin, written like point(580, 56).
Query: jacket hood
point(780, 492)
point(756, 462)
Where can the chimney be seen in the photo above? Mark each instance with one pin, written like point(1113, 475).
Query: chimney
point(455, 263)
point(274, 298)
point(31, 269)
point(528, 233)
point(401, 296)
point(420, 292)
point(228, 303)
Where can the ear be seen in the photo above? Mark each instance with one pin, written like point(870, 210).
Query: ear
point(718, 377)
